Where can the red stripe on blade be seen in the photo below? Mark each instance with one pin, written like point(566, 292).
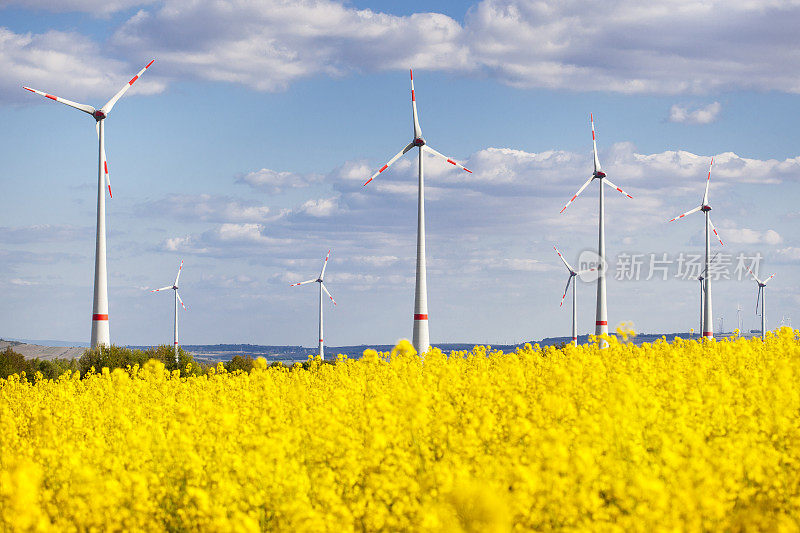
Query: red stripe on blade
point(420, 317)
point(451, 161)
point(105, 165)
point(99, 317)
point(51, 97)
point(133, 80)
point(29, 89)
point(148, 65)
point(384, 167)
point(412, 95)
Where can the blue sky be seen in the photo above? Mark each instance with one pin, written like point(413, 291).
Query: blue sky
point(242, 151)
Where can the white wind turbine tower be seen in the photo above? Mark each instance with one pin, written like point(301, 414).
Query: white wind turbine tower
point(601, 315)
point(174, 287)
point(421, 336)
point(761, 292)
point(708, 324)
point(572, 273)
point(701, 278)
point(100, 330)
point(321, 288)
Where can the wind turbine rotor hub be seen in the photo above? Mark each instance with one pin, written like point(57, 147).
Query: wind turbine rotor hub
point(705, 208)
point(419, 141)
point(99, 115)
point(600, 174)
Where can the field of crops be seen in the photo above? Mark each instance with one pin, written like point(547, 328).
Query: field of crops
point(668, 436)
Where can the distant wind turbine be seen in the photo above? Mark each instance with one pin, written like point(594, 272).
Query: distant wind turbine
point(321, 288)
point(708, 325)
point(572, 273)
point(762, 285)
point(601, 314)
point(100, 329)
point(421, 334)
point(174, 287)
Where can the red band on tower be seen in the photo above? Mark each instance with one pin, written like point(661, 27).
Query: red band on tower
point(99, 317)
point(420, 317)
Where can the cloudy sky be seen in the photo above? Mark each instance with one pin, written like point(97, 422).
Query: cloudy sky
point(244, 148)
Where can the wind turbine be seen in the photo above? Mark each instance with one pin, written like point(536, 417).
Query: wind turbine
point(572, 274)
point(761, 286)
point(321, 288)
point(174, 287)
point(701, 278)
point(601, 314)
point(708, 324)
point(421, 337)
point(100, 331)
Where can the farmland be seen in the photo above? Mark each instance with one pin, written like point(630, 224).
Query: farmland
point(663, 436)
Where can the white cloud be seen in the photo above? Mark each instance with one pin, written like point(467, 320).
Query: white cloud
point(101, 8)
point(66, 64)
point(269, 44)
point(700, 115)
point(276, 182)
point(23, 282)
point(324, 207)
point(211, 208)
point(510, 194)
point(44, 233)
point(791, 253)
point(749, 236)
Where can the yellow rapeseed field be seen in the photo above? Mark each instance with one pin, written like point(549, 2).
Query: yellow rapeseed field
point(698, 436)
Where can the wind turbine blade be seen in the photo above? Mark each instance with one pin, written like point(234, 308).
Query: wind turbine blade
point(179, 273)
point(769, 278)
point(161, 289)
point(392, 160)
point(715, 231)
point(83, 107)
point(329, 294)
point(434, 152)
point(577, 193)
point(303, 283)
point(417, 128)
point(620, 190)
point(594, 145)
point(695, 210)
point(324, 265)
point(756, 277)
point(179, 299)
point(566, 289)
point(563, 260)
point(105, 160)
point(106, 109)
point(708, 181)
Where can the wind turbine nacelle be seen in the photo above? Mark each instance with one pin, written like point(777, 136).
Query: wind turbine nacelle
point(600, 174)
point(705, 208)
point(419, 141)
point(99, 115)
